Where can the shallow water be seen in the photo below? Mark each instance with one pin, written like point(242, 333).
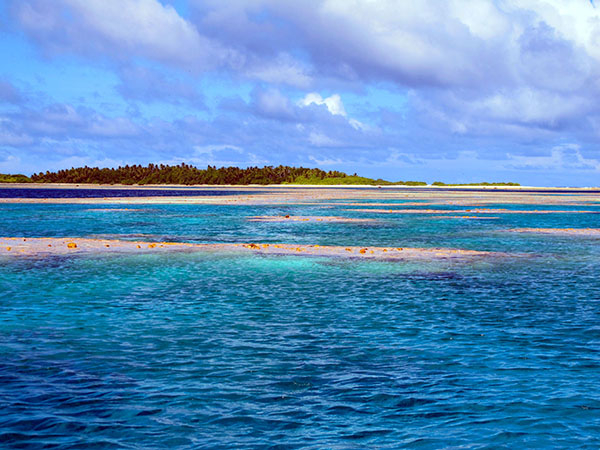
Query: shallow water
point(246, 351)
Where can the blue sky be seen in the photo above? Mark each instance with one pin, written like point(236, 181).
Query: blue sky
point(458, 91)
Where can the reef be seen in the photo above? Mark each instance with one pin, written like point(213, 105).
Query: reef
point(14, 246)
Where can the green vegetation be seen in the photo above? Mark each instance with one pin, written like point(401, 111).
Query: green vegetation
point(182, 174)
point(186, 174)
point(484, 183)
point(189, 175)
point(381, 182)
point(17, 178)
point(346, 179)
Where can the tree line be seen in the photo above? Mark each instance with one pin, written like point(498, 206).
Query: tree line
point(185, 174)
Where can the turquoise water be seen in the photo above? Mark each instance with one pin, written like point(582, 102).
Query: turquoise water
point(231, 351)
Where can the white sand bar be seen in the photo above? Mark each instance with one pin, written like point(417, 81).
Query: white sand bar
point(19, 246)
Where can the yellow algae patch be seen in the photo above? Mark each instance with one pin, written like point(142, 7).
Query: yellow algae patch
point(71, 245)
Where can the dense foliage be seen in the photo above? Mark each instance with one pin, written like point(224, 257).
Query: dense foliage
point(16, 178)
point(188, 175)
point(182, 174)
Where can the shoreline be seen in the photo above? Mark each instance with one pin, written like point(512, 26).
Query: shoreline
point(286, 186)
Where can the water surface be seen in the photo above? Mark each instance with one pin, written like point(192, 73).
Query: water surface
point(246, 351)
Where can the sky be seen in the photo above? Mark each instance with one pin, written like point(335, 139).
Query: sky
point(454, 90)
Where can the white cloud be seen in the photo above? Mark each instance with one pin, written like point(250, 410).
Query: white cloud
point(528, 62)
point(120, 29)
point(334, 106)
point(333, 103)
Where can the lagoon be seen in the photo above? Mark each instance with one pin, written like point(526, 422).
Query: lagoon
point(195, 349)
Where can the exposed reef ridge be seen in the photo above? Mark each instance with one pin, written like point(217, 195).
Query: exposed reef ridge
point(71, 246)
point(466, 217)
point(473, 211)
point(588, 232)
point(330, 219)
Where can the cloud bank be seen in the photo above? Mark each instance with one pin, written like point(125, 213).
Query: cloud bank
point(350, 83)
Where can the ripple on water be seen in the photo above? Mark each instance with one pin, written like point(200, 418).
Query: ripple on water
point(240, 351)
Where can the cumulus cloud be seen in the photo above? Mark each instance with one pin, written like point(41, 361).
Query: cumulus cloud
point(114, 28)
point(479, 61)
point(477, 75)
point(333, 103)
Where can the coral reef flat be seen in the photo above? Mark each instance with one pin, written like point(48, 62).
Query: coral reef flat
point(325, 219)
point(17, 246)
point(588, 232)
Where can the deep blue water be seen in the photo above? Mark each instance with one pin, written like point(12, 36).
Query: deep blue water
point(247, 352)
